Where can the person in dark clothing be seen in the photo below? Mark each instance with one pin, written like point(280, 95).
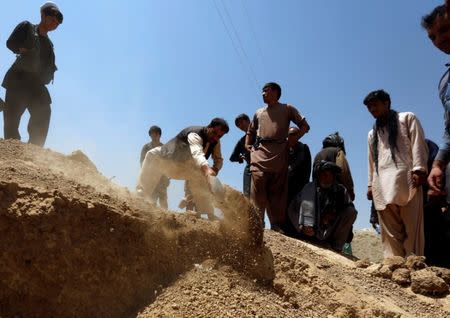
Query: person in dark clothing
point(160, 192)
point(436, 220)
point(323, 211)
point(334, 150)
point(241, 154)
point(26, 79)
point(299, 169)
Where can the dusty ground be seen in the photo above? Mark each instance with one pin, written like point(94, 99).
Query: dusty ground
point(367, 244)
point(75, 245)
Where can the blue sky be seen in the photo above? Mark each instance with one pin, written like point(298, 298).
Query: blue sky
point(124, 66)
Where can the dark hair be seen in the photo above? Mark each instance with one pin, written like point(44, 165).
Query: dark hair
point(392, 128)
point(334, 140)
point(221, 123)
point(380, 95)
point(154, 129)
point(274, 86)
point(429, 19)
point(241, 117)
point(51, 11)
point(323, 165)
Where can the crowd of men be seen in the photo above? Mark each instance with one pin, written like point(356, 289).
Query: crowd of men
point(406, 172)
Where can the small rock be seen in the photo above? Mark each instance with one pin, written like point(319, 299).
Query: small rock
point(443, 273)
point(363, 263)
point(394, 262)
point(385, 272)
point(426, 282)
point(279, 287)
point(402, 276)
point(415, 263)
point(175, 307)
point(373, 269)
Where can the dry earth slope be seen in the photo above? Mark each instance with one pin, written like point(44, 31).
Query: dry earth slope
point(75, 245)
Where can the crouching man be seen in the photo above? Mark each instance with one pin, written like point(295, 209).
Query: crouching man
point(323, 210)
point(185, 157)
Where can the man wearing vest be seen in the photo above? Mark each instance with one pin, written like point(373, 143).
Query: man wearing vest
point(267, 142)
point(26, 79)
point(185, 157)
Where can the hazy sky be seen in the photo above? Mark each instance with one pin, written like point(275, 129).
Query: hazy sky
point(126, 65)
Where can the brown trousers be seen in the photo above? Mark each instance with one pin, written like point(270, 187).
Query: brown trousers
point(269, 192)
point(402, 231)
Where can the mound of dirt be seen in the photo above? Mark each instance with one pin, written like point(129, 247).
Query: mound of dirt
point(366, 244)
point(76, 245)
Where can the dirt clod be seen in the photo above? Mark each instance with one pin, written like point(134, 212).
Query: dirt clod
point(426, 282)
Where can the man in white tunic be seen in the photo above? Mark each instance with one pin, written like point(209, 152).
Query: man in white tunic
point(185, 157)
point(398, 155)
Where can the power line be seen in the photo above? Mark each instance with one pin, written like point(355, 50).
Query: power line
point(240, 43)
point(233, 42)
point(252, 31)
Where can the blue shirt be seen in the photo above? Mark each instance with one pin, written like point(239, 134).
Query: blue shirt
point(444, 94)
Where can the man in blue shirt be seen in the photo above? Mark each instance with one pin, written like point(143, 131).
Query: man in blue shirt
point(437, 25)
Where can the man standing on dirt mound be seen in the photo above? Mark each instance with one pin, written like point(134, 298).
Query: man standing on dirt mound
point(185, 157)
point(25, 80)
point(267, 142)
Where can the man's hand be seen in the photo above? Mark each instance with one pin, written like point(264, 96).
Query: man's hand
point(435, 179)
point(369, 193)
point(208, 171)
point(418, 178)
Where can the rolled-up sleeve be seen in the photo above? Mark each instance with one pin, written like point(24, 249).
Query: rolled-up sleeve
point(196, 147)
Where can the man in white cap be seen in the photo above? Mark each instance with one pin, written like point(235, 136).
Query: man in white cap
point(25, 80)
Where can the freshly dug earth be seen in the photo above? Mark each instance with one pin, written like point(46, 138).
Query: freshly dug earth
point(367, 244)
point(75, 245)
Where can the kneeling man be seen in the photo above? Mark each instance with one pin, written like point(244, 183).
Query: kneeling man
point(323, 210)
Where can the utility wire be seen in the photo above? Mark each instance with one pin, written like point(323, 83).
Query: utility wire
point(232, 40)
point(252, 30)
point(236, 34)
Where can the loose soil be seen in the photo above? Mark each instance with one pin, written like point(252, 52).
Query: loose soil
point(74, 244)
